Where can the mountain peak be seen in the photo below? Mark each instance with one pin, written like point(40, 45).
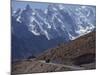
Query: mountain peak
point(53, 25)
point(57, 20)
point(28, 7)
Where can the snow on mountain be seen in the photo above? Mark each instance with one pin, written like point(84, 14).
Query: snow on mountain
point(36, 30)
point(62, 20)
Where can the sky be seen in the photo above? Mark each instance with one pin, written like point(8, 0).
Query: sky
point(22, 4)
point(34, 5)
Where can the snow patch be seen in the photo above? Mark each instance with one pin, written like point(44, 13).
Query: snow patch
point(33, 30)
point(83, 7)
point(71, 37)
point(46, 11)
point(35, 33)
point(61, 6)
point(48, 25)
point(54, 9)
point(46, 34)
point(32, 19)
point(33, 13)
point(18, 19)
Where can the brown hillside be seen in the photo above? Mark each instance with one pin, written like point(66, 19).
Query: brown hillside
point(81, 49)
point(79, 54)
point(37, 66)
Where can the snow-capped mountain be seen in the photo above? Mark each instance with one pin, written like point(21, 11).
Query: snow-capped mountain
point(58, 20)
point(53, 25)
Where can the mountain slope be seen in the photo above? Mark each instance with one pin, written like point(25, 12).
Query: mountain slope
point(76, 55)
point(57, 20)
point(38, 66)
point(41, 29)
point(81, 50)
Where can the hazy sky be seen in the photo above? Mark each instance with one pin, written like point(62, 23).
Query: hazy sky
point(22, 4)
point(34, 5)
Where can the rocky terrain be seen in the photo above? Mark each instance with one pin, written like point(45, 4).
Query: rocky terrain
point(79, 54)
point(81, 48)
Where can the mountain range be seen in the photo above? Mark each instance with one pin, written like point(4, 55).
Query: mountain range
point(36, 30)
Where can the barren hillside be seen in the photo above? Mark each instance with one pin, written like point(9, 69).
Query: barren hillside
point(81, 49)
point(78, 54)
